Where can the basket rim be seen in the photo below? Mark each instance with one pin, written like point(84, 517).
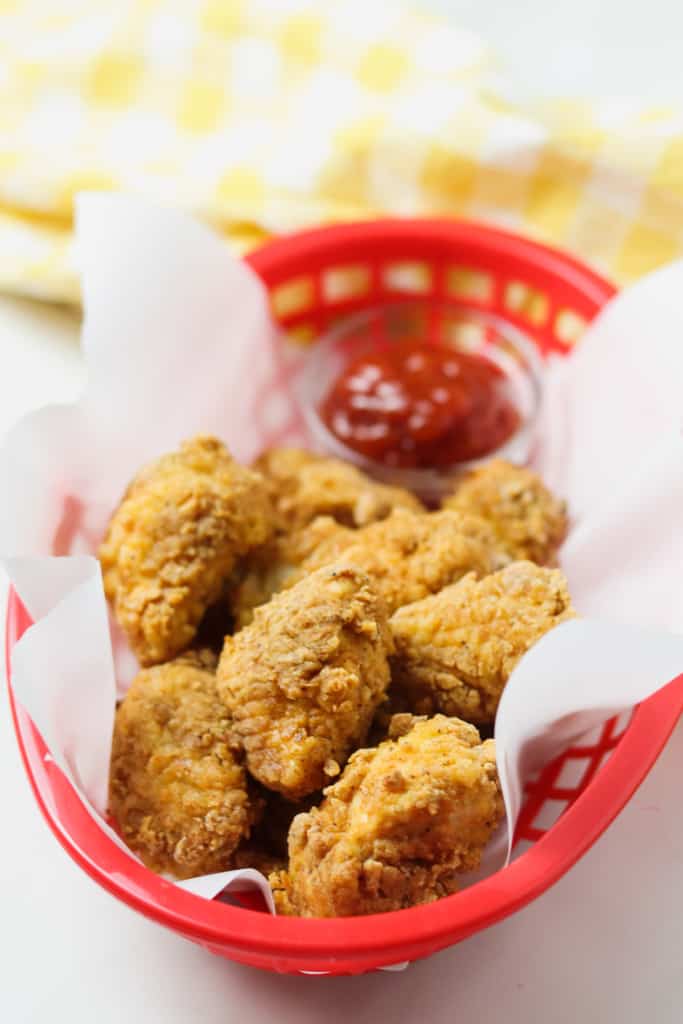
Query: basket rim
point(268, 259)
point(384, 938)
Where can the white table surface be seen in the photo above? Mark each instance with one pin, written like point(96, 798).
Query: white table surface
point(604, 945)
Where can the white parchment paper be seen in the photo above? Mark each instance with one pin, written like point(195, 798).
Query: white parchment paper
point(178, 340)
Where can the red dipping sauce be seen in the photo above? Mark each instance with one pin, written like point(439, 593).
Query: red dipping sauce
point(416, 405)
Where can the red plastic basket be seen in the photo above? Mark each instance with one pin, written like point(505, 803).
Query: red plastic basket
point(314, 278)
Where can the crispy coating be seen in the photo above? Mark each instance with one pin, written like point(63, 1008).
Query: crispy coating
point(529, 521)
point(455, 650)
point(404, 820)
point(304, 485)
point(176, 788)
point(175, 539)
point(304, 679)
point(410, 556)
point(273, 566)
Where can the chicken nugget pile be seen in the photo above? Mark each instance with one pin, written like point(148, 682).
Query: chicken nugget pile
point(318, 650)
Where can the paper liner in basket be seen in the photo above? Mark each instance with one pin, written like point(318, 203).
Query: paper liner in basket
point(178, 340)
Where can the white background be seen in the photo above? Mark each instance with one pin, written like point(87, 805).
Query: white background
point(604, 945)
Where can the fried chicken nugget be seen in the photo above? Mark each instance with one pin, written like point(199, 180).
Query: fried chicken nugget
point(176, 788)
point(304, 485)
point(304, 679)
point(455, 650)
point(404, 820)
point(529, 521)
point(409, 556)
point(174, 540)
point(273, 566)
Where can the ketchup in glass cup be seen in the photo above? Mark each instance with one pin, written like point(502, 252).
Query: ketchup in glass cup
point(420, 405)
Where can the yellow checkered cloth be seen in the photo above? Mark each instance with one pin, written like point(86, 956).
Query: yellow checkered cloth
point(263, 116)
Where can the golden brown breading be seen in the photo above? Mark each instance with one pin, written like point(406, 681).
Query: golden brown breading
point(273, 566)
point(528, 520)
point(303, 680)
point(455, 651)
point(397, 829)
point(304, 485)
point(410, 556)
point(177, 791)
point(174, 540)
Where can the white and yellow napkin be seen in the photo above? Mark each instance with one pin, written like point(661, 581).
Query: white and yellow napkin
point(262, 116)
